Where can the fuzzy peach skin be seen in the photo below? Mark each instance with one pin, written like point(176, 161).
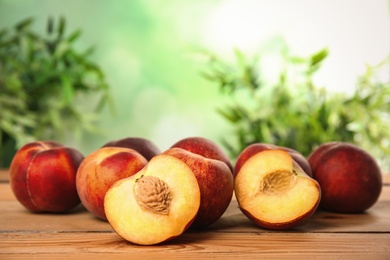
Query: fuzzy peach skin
point(100, 169)
point(145, 147)
point(350, 178)
point(216, 185)
point(43, 176)
point(204, 147)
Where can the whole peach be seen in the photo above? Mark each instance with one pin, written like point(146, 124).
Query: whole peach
point(43, 176)
point(349, 177)
point(100, 169)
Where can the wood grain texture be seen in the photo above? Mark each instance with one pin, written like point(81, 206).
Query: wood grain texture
point(193, 245)
point(80, 235)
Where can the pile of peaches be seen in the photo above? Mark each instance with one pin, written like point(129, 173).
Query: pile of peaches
point(149, 196)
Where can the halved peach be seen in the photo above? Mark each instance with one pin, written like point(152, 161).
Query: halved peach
point(155, 205)
point(274, 192)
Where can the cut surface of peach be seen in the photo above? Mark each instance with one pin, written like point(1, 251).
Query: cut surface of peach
point(156, 204)
point(273, 190)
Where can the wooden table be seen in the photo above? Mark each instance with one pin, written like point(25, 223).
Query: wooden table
point(79, 235)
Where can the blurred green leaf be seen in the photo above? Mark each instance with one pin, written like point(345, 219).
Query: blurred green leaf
point(318, 57)
point(67, 88)
point(74, 36)
point(294, 112)
point(41, 77)
point(61, 27)
point(50, 25)
point(24, 24)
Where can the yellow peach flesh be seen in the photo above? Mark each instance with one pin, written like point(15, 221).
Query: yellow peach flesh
point(141, 226)
point(270, 190)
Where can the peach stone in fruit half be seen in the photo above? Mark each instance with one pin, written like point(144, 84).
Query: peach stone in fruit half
point(274, 192)
point(155, 205)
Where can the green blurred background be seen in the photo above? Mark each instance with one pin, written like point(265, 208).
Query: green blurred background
point(145, 48)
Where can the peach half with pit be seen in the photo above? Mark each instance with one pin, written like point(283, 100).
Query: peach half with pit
point(274, 192)
point(156, 204)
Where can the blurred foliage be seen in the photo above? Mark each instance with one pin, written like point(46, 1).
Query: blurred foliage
point(40, 78)
point(294, 112)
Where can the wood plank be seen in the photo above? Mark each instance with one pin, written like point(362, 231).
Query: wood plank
point(6, 192)
point(4, 175)
point(13, 217)
point(79, 234)
point(385, 194)
point(386, 178)
point(195, 245)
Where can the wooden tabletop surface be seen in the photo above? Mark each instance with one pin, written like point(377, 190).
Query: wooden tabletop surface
point(80, 235)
